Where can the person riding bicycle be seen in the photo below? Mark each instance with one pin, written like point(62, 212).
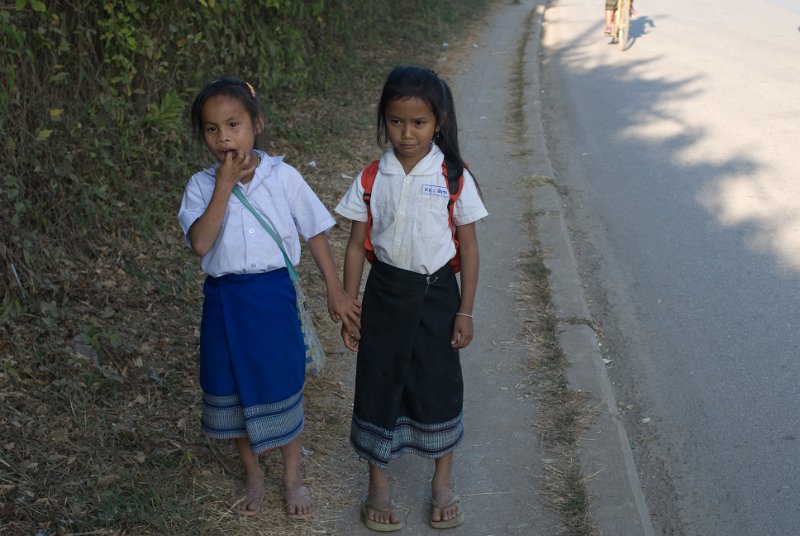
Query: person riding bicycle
point(611, 6)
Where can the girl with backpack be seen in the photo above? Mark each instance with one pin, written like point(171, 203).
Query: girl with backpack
point(414, 319)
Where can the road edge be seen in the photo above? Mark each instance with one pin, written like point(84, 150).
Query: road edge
point(617, 503)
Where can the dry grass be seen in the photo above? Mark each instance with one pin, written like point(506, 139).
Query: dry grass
point(564, 413)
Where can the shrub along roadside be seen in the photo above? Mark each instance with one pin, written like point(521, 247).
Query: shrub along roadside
point(93, 105)
point(93, 111)
point(99, 298)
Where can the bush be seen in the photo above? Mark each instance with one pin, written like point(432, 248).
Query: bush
point(93, 105)
point(93, 111)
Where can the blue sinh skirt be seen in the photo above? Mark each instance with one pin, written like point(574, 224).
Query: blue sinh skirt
point(252, 359)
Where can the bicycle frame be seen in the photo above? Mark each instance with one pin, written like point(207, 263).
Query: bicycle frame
point(622, 21)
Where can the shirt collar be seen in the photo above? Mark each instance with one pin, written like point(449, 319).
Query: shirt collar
point(431, 163)
point(264, 167)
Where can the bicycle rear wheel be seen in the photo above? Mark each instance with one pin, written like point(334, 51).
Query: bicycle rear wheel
point(623, 16)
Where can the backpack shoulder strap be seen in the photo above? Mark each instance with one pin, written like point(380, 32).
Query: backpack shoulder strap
point(367, 181)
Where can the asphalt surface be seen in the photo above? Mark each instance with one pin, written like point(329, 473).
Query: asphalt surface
point(679, 157)
point(499, 468)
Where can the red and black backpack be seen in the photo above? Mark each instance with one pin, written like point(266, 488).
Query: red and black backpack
point(455, 182)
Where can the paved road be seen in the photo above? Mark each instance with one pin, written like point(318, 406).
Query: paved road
point(679, 158)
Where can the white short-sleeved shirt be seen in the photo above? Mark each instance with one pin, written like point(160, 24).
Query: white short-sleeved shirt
point(284, 200)
point(410, 228)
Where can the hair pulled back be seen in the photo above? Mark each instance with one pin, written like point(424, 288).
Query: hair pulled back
point(406, 82)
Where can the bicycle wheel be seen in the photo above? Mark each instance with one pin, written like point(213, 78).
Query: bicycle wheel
point(623, 15)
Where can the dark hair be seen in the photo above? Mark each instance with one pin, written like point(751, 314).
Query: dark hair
point(409, 82)
point(228, 86)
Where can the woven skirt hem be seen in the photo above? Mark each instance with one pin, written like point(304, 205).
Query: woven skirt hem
point(379, 446)
point(267, 426)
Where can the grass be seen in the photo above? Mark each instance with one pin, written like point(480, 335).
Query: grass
point(564, 413)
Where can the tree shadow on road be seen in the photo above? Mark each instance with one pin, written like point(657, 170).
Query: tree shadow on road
point(732, 199)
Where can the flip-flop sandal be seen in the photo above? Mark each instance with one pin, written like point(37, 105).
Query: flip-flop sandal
point(607, 31)
point(374, 525)
point(449, 523)
point(295, 495)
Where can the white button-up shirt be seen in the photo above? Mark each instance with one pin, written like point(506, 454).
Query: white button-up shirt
point(283, 199)
point(410, 228)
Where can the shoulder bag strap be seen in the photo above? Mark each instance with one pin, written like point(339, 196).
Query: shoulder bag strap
point(237, 191)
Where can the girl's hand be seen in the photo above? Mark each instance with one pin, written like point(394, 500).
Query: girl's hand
point(350, 342)
point(343, 307)
point(462, 332)
point(235, 166)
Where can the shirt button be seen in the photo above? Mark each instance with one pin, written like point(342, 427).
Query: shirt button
point(402, 212)
point(252, 265)
point(251, 230)
point(396, 242)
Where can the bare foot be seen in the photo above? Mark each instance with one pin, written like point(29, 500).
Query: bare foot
point(299, 504)
point(254, 491)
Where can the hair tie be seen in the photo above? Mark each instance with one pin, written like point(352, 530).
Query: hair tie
point(252, 91)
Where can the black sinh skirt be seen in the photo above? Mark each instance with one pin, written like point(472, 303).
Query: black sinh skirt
point(409, 386)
